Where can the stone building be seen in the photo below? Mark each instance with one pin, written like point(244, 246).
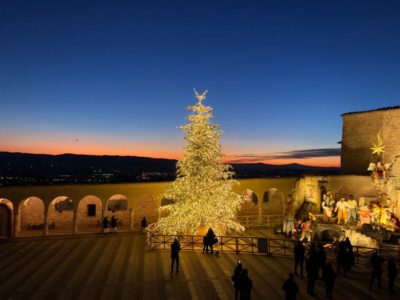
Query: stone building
point(360, 130)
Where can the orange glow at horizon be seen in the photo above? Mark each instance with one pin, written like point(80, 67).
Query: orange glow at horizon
point(59, 146)
point(326, 161)
point(154, 152)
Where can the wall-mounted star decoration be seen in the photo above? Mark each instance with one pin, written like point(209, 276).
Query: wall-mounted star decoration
point(377, 148)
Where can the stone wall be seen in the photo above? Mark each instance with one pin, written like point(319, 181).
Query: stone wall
point(32, 213)
point(82, 213)
point(61, 220)
point(275, 204)
point(145, 206)
point(360, 133)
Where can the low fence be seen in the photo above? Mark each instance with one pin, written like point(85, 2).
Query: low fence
point(266, 220)
point(262, 246)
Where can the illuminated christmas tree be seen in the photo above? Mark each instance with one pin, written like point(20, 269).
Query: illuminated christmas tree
point(202, 193)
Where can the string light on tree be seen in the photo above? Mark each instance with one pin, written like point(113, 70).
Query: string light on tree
point(202, 193)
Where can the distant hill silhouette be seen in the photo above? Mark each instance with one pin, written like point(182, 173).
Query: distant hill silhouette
point(25, 168)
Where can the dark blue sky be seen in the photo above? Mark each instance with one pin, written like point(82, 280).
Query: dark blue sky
point(115, 76)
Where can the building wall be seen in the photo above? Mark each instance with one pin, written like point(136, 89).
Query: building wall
point(360, 133)
point(82, 213)
point(145, 199)
point(31, 212)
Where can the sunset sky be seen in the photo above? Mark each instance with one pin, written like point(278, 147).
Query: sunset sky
point(114, 77)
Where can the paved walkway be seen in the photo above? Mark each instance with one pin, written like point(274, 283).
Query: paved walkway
point(121, 267)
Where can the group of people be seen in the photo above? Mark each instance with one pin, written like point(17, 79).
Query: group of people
point(315, 264)
point(241, 282)
point(346, 210)
point(376, 262)
point(376, 212)
point(107, 223)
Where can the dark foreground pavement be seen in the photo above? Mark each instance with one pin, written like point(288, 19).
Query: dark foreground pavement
point(121, 267)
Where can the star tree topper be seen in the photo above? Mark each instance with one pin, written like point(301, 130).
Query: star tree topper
point(200, 97)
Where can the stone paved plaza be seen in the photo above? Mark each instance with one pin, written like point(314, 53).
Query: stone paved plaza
point(121, 267)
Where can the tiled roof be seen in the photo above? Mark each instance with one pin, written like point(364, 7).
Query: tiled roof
point(372, 110)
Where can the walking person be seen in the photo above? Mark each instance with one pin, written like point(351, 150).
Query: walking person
point(311, 269)
point(205, 244)
point(321, 260)
point(237, 273)
point(291, 288)
point(329, 278)
point(106, 225)
point(350, 258)
point(299, 251)
point(114, 224)
point(175, 248)
point(245, 285)
point(376, 260)
point(342, 258)
point(143, 224)
point(392, 273)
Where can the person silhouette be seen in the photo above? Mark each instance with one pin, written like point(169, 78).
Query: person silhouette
point(392, 273)
point(143, 224)
point(175, 248)
point(299, 251)
point(245, 285)
point(106, 225)
point(329, 278)
point(237, 273)
point(114, 224)
point(376, 261)
point(291, 288)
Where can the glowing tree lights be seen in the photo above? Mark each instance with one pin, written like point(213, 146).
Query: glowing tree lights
point(202, 193)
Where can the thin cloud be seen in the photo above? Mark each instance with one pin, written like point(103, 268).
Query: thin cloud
point(295, 154)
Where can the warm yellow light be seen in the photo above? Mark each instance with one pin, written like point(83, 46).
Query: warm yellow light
point(202, 192)
point(377, 148)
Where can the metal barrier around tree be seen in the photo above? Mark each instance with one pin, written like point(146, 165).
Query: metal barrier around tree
point(263, 246)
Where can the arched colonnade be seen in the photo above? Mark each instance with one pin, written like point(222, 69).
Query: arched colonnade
point(52, 210)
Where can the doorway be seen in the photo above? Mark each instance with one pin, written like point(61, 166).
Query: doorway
point(5, 221)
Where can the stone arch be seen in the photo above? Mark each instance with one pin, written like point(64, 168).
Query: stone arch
point(118, 206)
point(249, 206)
point(275, 204)
point(6, 218)
point(89, 214)
point(7, 203)
point(251, 196)
point(60, 215)
point(144, 206)
point(31, 216)
point(164, 202)
point(266, 197)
